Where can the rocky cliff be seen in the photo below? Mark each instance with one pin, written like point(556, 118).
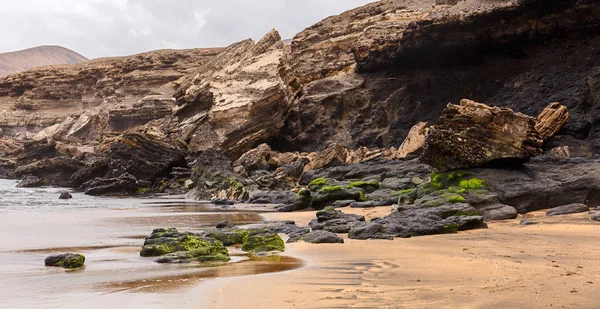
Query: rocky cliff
point(26, 59)
point(84, 100)
point(370, 74)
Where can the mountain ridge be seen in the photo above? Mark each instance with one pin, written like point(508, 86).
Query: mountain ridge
point(23, 60)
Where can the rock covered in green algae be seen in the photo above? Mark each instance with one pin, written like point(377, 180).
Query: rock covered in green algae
point(175, 247)
point(262, 240)
point(67, 260)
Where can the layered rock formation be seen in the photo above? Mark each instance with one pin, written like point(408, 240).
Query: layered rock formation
point(237, 100)
point(473, 134)
point(383, 67)
point(84, 100)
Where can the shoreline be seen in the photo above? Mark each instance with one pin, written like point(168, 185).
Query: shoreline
point(551, 264)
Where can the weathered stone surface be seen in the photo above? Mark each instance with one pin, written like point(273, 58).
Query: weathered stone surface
point(473, 134)
point(497, 212)
point(237, 100)
point(414, 142)
point(334, 155)
point(51, 172)
point(66, 260)
point(546, 183)
point(373, 72)
point(328, 195)
point(62, 95)
point(125, 184)
point(253, 160)
point(336, 221)
point(417, 221)
point(552, 119)
point(370, 231)
point(322, 237)
point(568, 209)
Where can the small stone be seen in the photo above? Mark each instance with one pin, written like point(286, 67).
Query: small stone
point(65, 196)
point(222, 224)
point(66, 260)
point(222, 201)
point(369, 204)
point(527, 222)
point(596, 218)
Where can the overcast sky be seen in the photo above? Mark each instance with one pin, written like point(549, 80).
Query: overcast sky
point(98, 28)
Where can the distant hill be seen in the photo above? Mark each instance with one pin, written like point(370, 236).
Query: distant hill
point(26, 59)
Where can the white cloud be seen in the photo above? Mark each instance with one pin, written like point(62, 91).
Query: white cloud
point(97, 28)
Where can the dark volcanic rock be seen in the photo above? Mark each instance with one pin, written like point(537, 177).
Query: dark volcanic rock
point(322, 237)
point(52, 172)
point(568, 209)
point(222, 201)
point(293, 231)
point(369, 204)
point(222, 224)
point(336, 221)
point(497, 212)
point(417, 221)
point(342, 204)
point(473, 134)
point(328, 195)
point(370, 231)
point(546, 183)
point(124, 184)
point(31, 182)
point(213, 173)
point(65, 196)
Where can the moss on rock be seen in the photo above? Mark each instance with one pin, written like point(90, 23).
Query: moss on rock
point(329, 189)
point(262, 240)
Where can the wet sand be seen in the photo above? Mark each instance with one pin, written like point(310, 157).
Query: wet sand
point(555, 264)
point(110, 233)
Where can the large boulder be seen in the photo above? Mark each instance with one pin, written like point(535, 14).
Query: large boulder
point(473, 134)
point(175, 247)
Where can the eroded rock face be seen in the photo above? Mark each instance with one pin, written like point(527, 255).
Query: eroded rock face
point(473, 134)
point(113, 93)
point(237, 100)
point(371, 73)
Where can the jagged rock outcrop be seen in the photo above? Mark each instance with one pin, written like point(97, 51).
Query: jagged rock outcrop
point(473, 134)
point(86, 99)
point(552, 119)
point(237, 100)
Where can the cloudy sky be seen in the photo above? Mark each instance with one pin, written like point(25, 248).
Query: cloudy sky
point(97, 28)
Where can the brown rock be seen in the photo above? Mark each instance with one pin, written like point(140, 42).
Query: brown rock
point(414, 142)
point(473, 134)
point(335, 155)
point(253, 160)
point(552, 119)
point(46, 96)
point(238, 100)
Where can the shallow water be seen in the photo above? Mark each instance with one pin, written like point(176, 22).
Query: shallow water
point(34, 223)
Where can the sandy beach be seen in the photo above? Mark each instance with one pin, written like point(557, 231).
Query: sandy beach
point(553, 264)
